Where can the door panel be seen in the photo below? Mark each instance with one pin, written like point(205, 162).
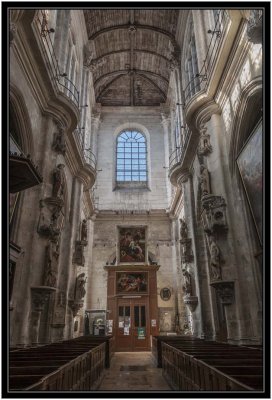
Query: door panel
point(132, 328)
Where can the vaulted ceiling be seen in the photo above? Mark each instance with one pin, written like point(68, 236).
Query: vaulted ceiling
point(132, 51)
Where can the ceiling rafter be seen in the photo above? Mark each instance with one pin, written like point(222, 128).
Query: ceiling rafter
point(125, 71)
point(137, 26)
point(154, 84)
point(154, 53)
point(120, 75)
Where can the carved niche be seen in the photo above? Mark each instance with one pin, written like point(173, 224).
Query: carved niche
point(214, 214)
point(51, 264)
point(204, 181)
point(204, 147)
point(77, 303)
point(59, 144)
point(190, 300)
point(51, 218)
point(59, 309)
point(78, 256)
point(185, 243)
point(215, 260)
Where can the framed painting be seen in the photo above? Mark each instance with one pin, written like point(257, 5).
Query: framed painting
point(131, 282)
point(250, 166)
point(132, 243)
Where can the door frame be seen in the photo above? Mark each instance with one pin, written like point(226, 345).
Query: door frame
point(150, 299)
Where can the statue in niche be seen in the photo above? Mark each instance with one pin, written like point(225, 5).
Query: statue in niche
point(215, 260)
point(80, 287)
point(204, 181)
point(183, 229)
point(84, 232)
point(58, 181)
point(187, 282)
point(59, 144)
point(51, 261)
point(55, 216)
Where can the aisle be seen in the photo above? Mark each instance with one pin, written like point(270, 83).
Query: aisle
point(133, 371)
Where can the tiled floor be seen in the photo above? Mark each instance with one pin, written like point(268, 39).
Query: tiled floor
point(133, 371)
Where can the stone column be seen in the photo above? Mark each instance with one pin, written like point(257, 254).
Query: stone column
point(238, 264)
point(166, 120)
point(95, 121)
point(40, 295)
point(202, 311)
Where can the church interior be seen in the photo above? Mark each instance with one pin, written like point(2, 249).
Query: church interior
point(135, 200)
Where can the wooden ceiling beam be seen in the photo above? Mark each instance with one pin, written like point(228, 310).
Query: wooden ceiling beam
point(128, 50)
point(170, 36)
point(125, 71)
point(154, 84)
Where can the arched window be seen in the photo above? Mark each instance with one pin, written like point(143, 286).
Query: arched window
point(131, 164)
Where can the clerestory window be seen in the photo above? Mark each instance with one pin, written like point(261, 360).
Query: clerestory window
point(131, 160)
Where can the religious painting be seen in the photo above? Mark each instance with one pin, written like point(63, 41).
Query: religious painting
point(250, 167)
point(132, 245)
point(131, 282)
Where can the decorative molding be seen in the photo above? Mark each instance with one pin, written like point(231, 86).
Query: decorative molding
point(78, 256)
point(59, 144)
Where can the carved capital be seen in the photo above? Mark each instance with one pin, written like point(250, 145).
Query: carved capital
point(225, 291)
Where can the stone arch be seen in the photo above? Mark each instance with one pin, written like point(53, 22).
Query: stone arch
point(247, 115)
point(20, 118)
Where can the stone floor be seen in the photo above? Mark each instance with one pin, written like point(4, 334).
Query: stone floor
point(133, 372)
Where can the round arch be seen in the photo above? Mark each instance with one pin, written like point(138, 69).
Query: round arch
point(19, 114)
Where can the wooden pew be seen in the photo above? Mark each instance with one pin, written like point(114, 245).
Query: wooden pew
point(200, 365)
point(59, 366)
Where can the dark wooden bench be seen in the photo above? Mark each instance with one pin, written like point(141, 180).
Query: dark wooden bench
point(206, 365)
point(67, 365)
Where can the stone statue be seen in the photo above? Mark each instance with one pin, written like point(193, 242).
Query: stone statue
point(58, 181)
point(84, 232)
point(51, 260)
point(183, 229)
point(204, 181)
point(80, 287)
point(215, 260)
point(187, 283)
point(59, 144)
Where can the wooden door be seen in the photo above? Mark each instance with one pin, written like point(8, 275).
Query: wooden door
point(132, 327)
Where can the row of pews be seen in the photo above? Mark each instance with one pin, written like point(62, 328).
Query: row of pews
point(76, 364)
point(196, 364)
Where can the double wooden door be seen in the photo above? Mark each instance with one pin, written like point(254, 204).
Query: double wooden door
point(132, 325)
